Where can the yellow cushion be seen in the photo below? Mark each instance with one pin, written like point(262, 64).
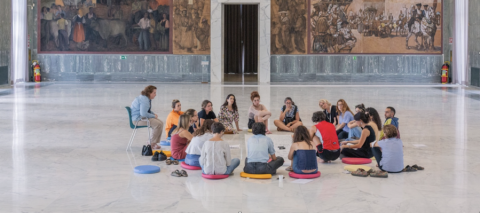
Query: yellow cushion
point(256, 176)
point(167, 153)
point(352, 168)
point(373, 158)
point(250, 130)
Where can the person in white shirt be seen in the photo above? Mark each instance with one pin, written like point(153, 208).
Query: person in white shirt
point(200, 136)
point(215, 158)
point(144, 37)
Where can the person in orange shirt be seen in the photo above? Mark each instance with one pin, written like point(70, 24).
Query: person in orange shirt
point(172, 118)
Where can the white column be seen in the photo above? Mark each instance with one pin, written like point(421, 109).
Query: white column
point(19, 41)
point(460, 43)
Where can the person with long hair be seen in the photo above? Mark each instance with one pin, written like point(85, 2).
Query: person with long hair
point(345, 115)
point(355, 131)
point(142, 110)
point(181, 137)
point(172, 118)
point(360, 148)
point(325, 138)
point(194, 149)
point(193, 120)
point(329, 110)
point(258, 112)
point(229, 114)
point(289, 117)
point(375, 121)
point(303, 152)
point(207, 112)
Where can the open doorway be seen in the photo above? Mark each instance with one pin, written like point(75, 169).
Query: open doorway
point(240, 43)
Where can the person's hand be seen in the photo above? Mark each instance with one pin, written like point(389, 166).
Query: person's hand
point(289, 125)
point(156, 116)
point(344, 142)
point(288, 108)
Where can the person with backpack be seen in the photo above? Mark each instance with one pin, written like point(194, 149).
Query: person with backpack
point(289, 117)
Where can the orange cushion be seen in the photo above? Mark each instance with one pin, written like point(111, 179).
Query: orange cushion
point(256, 176)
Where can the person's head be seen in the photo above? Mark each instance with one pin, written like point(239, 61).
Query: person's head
point(360, 108)
point(342, 106)
point(176, 105)
point(390, 131)
point(193, 115)
point(324, 104)
point(389, 112)
point(231, 101)
point(54, 6)
point(145, 15)
point(63, 16)
point(218, 128)
point(43, 9)
point(255, 97)
point(183, 122)
point(288, 101)
point(425, 6)
point(90, 10)
point(361, 119)
point(207, 105)
point(419, 6)
point(164, 16)
point(302, 134)
point(318, 117)
point(374, 116)
point(149, 91)
point(258, 128)
point(206, 127)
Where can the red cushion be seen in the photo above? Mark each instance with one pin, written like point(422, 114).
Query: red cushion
point(356, 161)
point(304, 176)
point(215, 177)
point(186, 166)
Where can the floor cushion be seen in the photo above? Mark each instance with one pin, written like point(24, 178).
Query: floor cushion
point(304, 176)
point(352, 168)
point(215, 177)
point(167, 153)
point(165, 143)
point(356, 161)
point(146, 169)
point(256, 176)
point(189, 167)
point(179, 160)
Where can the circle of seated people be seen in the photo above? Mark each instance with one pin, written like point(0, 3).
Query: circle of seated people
point(356, 161)
point(215, 177)
point(189, 167)
point(146, 169)
point(304, 176)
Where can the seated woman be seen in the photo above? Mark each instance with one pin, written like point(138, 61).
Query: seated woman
point(172, 118)
point(206, 113)
point(194, 149)
point(389, 152)
point(229, 114)
point(303, 152)
point(345, 115)
point(324, 137)
point(141, 108)
point(289, 117)
point(257, 112)
point(355, 131)
point(329, 110)
point(193, 120)
point(375, 121)
point(215, 157)
point(260, 147)
point(181, 137)
point(360, 148)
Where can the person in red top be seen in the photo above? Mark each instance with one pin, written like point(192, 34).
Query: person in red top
point(181, 137)
point(324, 136)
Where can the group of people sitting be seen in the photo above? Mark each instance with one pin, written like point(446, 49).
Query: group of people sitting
point(197, 137)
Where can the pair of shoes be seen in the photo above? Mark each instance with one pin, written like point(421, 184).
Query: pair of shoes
point(174, 162)
point(413, 168)
point(159, 156)
point(362, 173)
point(289, 169)
point(177, 173)
point(380, 174)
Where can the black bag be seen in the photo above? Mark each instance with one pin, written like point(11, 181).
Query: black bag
point(147, 150)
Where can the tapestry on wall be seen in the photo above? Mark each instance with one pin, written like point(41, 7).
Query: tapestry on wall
point(191, 28)
point(104, 26)
point(288, 27)
point(375, 26)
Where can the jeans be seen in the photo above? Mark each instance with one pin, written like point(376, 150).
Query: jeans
point(233, 165)
point(144, 39)
point(378, 156)
point(263, 168)
point(355, 132)
point(192, 160)
point(327, 155)
point(297, 170)
point(342, 134)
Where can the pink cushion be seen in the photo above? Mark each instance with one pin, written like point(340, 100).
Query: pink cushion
point(356, 161)
point(304, 176)
point(215, 177)
point(186, 166)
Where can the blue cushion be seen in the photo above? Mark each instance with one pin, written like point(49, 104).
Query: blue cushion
point(179, 160)
point(164, 143)
point(146, 169)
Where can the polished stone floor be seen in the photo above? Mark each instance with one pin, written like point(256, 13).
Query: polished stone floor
point(63, 150)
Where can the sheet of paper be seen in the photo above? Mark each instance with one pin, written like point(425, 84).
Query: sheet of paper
point(235, 146)
point(302, 181)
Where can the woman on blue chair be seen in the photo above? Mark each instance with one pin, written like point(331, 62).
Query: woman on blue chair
point(142, 108)
point(200, 136)
point(303, 152)
point(289, 117)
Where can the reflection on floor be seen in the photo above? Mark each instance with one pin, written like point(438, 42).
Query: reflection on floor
point(63, 150)
point(237, 78)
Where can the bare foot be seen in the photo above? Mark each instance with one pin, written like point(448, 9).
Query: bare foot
point(156, 146)
point(321, 161)
point(268, 132)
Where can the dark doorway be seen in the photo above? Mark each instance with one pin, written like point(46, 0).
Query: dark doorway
point(241, 43)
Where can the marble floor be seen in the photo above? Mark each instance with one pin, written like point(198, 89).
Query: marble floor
point(63, 150)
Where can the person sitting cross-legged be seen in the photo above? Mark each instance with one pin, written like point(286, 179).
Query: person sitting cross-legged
point(389, 152)
point(289, 117)
point(303, 152)
point(200, 136)
point(324, 136)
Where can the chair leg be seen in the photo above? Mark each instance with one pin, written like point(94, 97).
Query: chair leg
point(149, 136)
point(130, 142)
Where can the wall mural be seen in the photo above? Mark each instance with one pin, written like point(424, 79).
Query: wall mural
point(104, 26)
point(191, 27)
point(288, 26)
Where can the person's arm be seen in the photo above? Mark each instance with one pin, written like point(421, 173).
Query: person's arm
point(236, 118)
point(297, 118)
point(312, 131)
point(282, 115)
point(375, 144)
point(340, 126)
point(273, 157)
point(292, 150)
point(271, 150)
point(186, 134)
point(352, 124)
point(363, 137)
point(144, 106)
point(168, 124)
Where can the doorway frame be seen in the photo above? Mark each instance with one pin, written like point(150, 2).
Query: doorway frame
point(217, 39)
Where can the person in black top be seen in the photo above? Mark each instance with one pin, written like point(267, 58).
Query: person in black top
point(289, 117)
point(330, 111)
point(206, 112)
point(361, 145)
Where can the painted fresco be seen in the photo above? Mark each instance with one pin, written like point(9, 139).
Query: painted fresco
point(289, 27)
point(191, 26)
point(104, 26)
point(375, 26)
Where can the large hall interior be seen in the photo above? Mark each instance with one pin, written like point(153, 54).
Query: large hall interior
point(295, 106)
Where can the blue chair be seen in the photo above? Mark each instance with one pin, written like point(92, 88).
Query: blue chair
point(135, 127)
